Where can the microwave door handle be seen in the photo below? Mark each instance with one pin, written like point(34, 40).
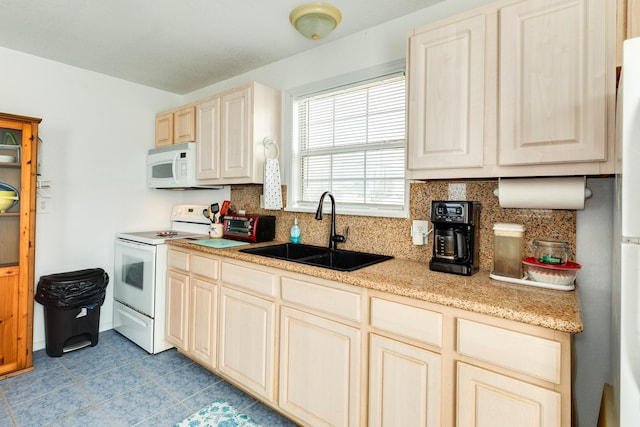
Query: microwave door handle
point(174, 168)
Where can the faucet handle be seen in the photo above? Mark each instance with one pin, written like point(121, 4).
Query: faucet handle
point(338, 238)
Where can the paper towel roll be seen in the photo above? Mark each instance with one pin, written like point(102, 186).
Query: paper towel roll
point(543, 193)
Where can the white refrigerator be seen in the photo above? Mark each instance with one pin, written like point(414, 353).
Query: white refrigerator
point(626, 269)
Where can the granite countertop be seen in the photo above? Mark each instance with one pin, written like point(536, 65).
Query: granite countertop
point(558, 310)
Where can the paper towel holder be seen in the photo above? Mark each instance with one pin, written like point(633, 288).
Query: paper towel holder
point(587, 191)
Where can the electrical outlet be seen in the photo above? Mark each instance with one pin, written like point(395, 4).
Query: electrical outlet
point(42, 206)
point(419, 227)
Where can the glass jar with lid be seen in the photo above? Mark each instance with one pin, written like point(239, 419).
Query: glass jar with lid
point(549, 251)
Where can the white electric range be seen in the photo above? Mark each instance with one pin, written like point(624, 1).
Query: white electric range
point(140, 276)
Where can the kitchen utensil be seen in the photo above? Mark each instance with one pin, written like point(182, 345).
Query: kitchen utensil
point(553, 274)
point(225, 207)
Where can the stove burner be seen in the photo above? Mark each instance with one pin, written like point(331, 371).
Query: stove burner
point(166, 233)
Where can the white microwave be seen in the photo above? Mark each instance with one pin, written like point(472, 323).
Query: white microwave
point(173, 167)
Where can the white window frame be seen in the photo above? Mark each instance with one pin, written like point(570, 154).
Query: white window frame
point(291, 145)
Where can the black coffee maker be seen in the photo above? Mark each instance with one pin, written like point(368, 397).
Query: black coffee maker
point(456, 227)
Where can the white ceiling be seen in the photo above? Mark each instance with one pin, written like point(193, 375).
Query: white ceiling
point(175, 45)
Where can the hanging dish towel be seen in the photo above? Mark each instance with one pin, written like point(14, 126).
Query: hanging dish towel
point(272, 188)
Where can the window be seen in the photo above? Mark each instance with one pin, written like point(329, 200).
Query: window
point(350, 141)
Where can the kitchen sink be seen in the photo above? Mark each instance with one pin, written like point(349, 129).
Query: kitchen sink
point(334, 259)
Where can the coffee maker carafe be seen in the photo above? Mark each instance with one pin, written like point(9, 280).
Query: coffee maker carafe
point(456, 227)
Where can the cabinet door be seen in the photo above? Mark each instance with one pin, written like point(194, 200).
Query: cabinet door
point(485, 398)
point(208, 137)
point(177, 306)
point(184, 125)
point(447, 96)
point(164, 129)
point(404, 384)
point(319, 369)
point(204, 322)
point(247, 340)
point(236, 134)
point(9, 331)
point(553, 82)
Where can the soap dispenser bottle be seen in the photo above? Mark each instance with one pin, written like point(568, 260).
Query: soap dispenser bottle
point(295, 232)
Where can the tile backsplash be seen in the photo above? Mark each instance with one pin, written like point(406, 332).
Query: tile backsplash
point(392, 236)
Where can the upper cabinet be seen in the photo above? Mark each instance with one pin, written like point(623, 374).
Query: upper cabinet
point(176, 126)
point(515, 88)
point(230, 132)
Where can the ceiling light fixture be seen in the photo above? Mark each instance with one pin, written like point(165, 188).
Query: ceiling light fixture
point(315, 20)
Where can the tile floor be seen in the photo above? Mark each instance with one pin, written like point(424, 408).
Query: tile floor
point(116, 383)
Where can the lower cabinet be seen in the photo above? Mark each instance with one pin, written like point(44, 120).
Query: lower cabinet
point(203, 333)
point(319, 369)
point(488, 399)
point(404, 384)
point(192, 305)
point(329, 354)
point(247, 340)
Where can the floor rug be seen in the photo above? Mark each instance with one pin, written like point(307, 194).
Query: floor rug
point(218, 414)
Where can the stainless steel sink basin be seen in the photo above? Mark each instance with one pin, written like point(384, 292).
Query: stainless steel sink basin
point(334, 259)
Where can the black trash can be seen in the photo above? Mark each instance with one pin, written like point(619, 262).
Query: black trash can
point(72, 302)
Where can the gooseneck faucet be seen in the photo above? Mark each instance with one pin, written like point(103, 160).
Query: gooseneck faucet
point(333, 237)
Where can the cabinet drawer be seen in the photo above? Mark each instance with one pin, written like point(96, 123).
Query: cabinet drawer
point(405, 320)
point(333, 301)
point(261, 282)
point(205, 266)
point(538, 357)
point(178, 260)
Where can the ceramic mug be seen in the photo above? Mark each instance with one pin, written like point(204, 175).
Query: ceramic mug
point(216, 230)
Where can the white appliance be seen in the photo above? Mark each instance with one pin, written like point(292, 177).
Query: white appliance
point(173, 167)
point(140, 270)
point(626, 269)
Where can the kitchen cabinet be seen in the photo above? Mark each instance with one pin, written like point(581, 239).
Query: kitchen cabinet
point(17, 251)
point(231, 129)
point(192, 305)
point(248, 328)
point(514, 88)
point(405, 365)
point(488, 399)
point(328, 353)
point(321, 352)
point(628, 24)
point(176, 126)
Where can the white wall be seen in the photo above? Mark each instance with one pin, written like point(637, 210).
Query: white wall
point(96, 131)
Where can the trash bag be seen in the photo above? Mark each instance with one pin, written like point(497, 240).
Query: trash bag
point(74, 289)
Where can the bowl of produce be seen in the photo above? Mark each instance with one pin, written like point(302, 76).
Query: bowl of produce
point(564, 274)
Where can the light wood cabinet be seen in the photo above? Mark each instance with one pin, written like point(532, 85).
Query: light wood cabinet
point(404, 384)
point(514, 88)
point(319, 369)
point(176, 126)
point(488, 399)
point(177, 318)
point(17, 250)
point(331, 354)
point(321, 351)
point(192, 305)
point(231, 133)
point(247, 332)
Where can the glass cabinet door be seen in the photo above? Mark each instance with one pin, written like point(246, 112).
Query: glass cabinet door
point(10, 173)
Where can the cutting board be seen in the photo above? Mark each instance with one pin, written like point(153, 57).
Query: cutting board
point(219, 243)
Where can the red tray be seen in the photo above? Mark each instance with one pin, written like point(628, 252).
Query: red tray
point(567, 266)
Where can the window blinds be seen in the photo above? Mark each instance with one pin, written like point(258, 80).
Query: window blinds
point(351, 141)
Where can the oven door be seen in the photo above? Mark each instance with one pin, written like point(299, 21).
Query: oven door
point(135, 275)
